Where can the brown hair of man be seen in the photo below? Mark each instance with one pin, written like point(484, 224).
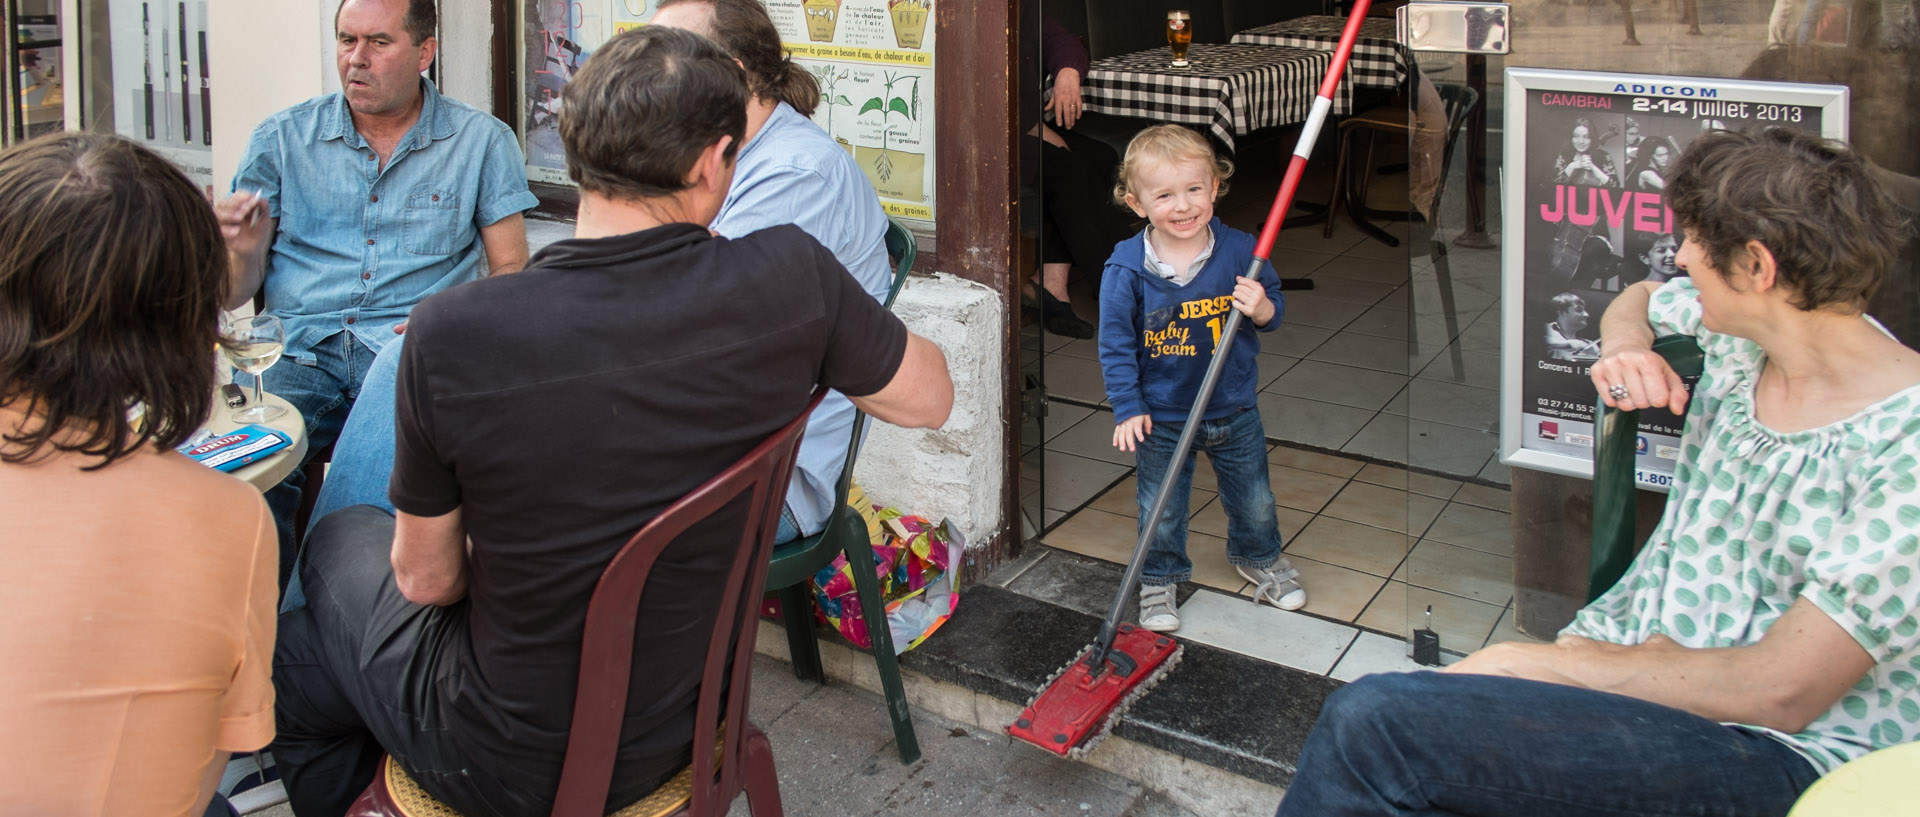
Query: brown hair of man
point(423, 19)
point(112, 271)
point(1812, 202)
point(647, 103)
point(744, 29)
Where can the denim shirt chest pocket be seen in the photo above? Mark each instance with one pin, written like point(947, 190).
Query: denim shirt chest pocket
point(432, 223)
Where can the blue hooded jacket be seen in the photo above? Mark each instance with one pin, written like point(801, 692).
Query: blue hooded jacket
point(1156, 337)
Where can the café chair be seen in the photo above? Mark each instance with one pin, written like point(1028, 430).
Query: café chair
point(796, 562)
point(1878, 784)
point(745, 758)
point(1615, 439)
point(1393, 118)
point(1458, 101)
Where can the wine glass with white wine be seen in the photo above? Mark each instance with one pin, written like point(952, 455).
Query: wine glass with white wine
point(253, 345)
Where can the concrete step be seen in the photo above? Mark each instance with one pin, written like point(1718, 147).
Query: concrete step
point(1220, 733)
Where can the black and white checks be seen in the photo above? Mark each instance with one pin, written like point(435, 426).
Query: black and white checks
point(1228, 89)
point(1378, 61)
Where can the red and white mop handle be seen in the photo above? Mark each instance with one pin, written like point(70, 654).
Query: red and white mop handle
point(1309, 133)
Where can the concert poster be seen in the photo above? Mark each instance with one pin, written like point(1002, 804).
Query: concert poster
point(1584, 216)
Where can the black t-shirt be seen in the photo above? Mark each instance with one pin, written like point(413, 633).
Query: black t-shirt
point(563, 407)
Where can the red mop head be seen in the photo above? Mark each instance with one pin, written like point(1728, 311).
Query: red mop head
point(1075, 708)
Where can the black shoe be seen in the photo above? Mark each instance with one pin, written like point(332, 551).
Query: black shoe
point(1061, 320)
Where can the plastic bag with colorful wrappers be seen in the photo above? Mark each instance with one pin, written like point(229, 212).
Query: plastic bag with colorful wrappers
point(914, 561)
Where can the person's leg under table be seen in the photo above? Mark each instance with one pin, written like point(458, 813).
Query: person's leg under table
point(354, 678)
point(1433, 744)
point(363, 453)
point(322, 390)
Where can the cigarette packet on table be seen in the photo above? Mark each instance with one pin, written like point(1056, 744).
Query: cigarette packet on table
point(238, 447)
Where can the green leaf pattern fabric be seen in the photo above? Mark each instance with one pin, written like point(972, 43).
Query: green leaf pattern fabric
point(1759, 519)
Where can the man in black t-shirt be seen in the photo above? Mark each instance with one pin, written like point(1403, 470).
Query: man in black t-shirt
point(542, 419)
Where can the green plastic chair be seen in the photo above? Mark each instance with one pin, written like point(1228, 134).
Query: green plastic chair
point(1613, 467)
point(795, 563)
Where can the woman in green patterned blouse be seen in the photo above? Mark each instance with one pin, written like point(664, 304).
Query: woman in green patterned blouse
point(1770, 629)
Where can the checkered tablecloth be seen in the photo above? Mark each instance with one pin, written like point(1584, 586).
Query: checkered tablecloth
point(1378, 61)
point(1229, 89)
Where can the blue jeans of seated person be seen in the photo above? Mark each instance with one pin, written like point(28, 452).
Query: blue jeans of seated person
point(1432, 744)
point(324, 393)
point(1237, 447)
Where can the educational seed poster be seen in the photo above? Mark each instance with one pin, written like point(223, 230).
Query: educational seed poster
point(162, 93)
point(1586, 164)
point(873, 60)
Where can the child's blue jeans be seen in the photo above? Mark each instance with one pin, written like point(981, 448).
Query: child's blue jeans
point(1237, 446)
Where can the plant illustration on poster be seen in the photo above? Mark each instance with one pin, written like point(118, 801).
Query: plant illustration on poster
point(1584, 217)
point(162, 89)
point(873, 60)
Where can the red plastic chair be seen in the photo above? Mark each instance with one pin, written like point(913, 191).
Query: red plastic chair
point(745, 758)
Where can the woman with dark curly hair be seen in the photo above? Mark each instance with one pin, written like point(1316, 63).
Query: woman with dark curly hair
point(137, 587)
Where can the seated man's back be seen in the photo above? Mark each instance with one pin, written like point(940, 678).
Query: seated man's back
point(562, 408)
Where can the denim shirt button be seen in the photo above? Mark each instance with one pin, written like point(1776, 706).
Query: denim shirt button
point(369, 242)
point(375, 199)
point(366, 276)
point(350, 320)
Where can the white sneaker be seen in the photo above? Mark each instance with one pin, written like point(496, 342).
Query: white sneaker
point(1278, 585)
point(1157, 610)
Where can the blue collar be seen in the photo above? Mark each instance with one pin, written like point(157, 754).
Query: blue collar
point(336, 121)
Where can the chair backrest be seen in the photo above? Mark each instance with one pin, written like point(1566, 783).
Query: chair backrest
point(606, 654)
point(1614, 444)
point(902, 248)
point(1456, 102)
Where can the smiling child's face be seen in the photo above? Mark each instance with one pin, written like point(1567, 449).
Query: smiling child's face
point(1175, 196)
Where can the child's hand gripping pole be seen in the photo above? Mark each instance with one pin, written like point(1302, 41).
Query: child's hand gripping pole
point(1297, 167)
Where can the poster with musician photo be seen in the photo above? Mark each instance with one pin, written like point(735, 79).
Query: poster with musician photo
point(1584, 216)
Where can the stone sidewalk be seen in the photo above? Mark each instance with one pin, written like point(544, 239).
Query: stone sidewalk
point(835, 753)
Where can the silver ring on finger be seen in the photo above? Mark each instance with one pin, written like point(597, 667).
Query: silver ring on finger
point(1617, 391)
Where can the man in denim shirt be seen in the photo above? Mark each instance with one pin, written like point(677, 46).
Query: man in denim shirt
point(353, 207)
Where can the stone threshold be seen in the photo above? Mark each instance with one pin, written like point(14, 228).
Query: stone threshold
point(1220, 733)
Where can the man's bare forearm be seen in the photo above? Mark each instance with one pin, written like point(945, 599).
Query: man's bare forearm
point(244, 273)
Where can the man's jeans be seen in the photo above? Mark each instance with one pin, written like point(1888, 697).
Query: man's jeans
point(363, 457)
point(323, 392)
point(1432, 744)
point(1237, 447)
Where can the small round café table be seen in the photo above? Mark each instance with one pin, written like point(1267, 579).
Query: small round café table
point(267, 472)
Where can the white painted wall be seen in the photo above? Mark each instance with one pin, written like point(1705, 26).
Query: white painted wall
point(956, 472)
point(466, 52)
point(264, 57)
